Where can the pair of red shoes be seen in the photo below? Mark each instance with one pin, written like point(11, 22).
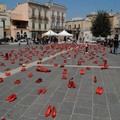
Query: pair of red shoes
point(1, 80)
point(49, 110)
point(7, 74)
point(39, 80)
point(64, 71)
point(42, 91)
point(17, 82)
point(42, 69)
point(11, 98)
point(99, 90)
point(82, 72)
point(71, 84)
point(30, 75)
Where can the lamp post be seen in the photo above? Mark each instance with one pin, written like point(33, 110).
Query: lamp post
point(4, 33)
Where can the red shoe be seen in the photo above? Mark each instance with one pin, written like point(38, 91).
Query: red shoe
point(17, 82)
point(62, 65)
point(79, 62)
point(30, 75)
point(39, 80)
point(48, 111)
point(64, 77)
point(64, 71)
point(70, 84)
point(39, 91)
point(82, 72)
point(95, 79)
point(88, 68)
point(11, 98)
point(7, 74)
point(100, 91)
point(55, 65)
point(1, 80)
point(73, 84)
point(65, 61)
point(54, 112)
point(97, 90)
point(23, 69)
point(44, 90)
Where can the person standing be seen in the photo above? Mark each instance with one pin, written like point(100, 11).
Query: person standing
point(116, 45)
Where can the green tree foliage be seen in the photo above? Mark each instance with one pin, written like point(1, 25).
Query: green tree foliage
point(101, 25)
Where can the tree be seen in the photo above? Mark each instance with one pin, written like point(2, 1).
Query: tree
point(101, 25)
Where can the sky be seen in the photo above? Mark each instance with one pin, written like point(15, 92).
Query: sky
point(76, 8)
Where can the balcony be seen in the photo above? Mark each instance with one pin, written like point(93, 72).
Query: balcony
point(63, 19)
point(33, 17)
point(53, 16)
point(40, 18)
point(46, 19)
point(58, 17)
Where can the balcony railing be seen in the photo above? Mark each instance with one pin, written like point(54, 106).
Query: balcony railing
point(57, 27)
point(40, 18)
point(33, 17)
point(53, 16)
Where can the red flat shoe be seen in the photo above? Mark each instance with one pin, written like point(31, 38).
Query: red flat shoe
point(13, 98)
point(1, 80)
point(97, 90)
point(39, 80)
point(17, 82)
point(69, 84)
point(48, 111)
point(7, 74)
point(95, 79)
point(44, 90)
point(30, 75)
point(64, 77)
point(100, 91)
point(54, 112)
point(23, 69)
point(64, 71)
point(39, 91)
point(82, 72)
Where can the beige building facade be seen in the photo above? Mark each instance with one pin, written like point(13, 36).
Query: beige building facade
point(4, 21)
point(80, 28)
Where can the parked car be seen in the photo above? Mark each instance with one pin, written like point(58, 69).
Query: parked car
point(91, 40)
point(4, 40)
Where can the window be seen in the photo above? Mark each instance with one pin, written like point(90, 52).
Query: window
point(69, 27)
point(25, 35)
point(74, 26)
point(33, 24)
point(45, 26)
point(39, 25)
point(79, 26)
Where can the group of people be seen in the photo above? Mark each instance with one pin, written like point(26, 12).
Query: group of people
point(113, 44)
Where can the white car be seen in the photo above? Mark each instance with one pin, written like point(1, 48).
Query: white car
point(91, 41)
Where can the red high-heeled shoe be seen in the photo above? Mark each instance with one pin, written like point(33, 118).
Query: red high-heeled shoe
point(64, 77)
point(73, 84)
point(39, 80)
point(95, 79)
point(17, 82)
point(30, 75)
point(64, 71)
point(54, 112)
point(48, 111)
point(11, 98)
point(1, 80)
point(7, 74)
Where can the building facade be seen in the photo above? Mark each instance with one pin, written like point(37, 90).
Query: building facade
point(4, 21)
point(79, 27)
point(57, 17)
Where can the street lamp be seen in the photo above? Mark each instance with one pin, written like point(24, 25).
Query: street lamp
point(4, 33)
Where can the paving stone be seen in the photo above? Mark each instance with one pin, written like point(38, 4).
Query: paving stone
point(100, 111)
point(58, 97)
point(112, 98)
point(2, 112)
point(80, 117)
point(63, 117)
point(28, 100)
point(16, 112)
point(66, 108)
point(34, 110)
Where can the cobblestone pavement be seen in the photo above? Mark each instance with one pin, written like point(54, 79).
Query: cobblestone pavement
point(80, 103)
